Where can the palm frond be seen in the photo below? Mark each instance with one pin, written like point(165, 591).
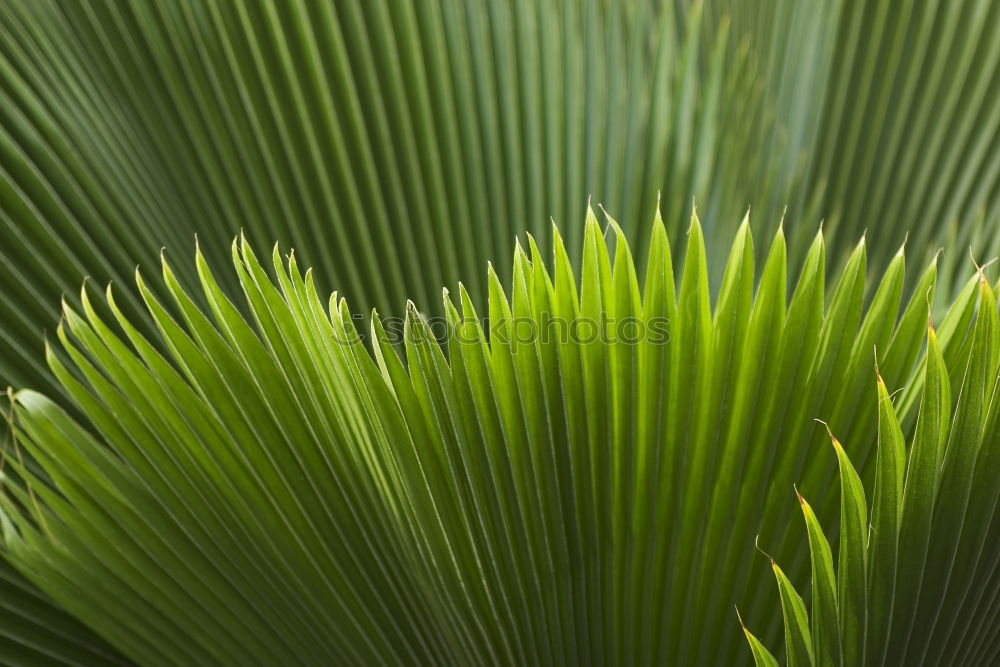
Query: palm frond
point(399, 146)
point(888, 109)
point(507, 496)
point(917, 576)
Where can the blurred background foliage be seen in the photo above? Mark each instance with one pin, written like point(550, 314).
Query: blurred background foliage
point(399, 146)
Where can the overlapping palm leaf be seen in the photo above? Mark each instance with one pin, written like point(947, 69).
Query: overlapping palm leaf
point(400, 145)
point(916, 577)
point(590, 495)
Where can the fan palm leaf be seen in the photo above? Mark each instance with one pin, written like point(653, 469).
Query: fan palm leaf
point(888, 106)
point(524, 493)
point(917, 568)
point(398, 146)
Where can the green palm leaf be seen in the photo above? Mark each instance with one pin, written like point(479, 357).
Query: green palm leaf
point(401, 145)
point(889, 109)
point(398, 146)
point(916, 585)
point(507, 497)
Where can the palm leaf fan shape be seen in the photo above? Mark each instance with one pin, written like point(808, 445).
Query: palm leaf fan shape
point(418, 134)
point(399, 146)
point(506, 497)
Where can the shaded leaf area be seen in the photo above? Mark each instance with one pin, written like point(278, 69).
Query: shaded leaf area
point(916, 579)
point(890, 109)
point(271, 489)
point(35, 632)
point(399, 146)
